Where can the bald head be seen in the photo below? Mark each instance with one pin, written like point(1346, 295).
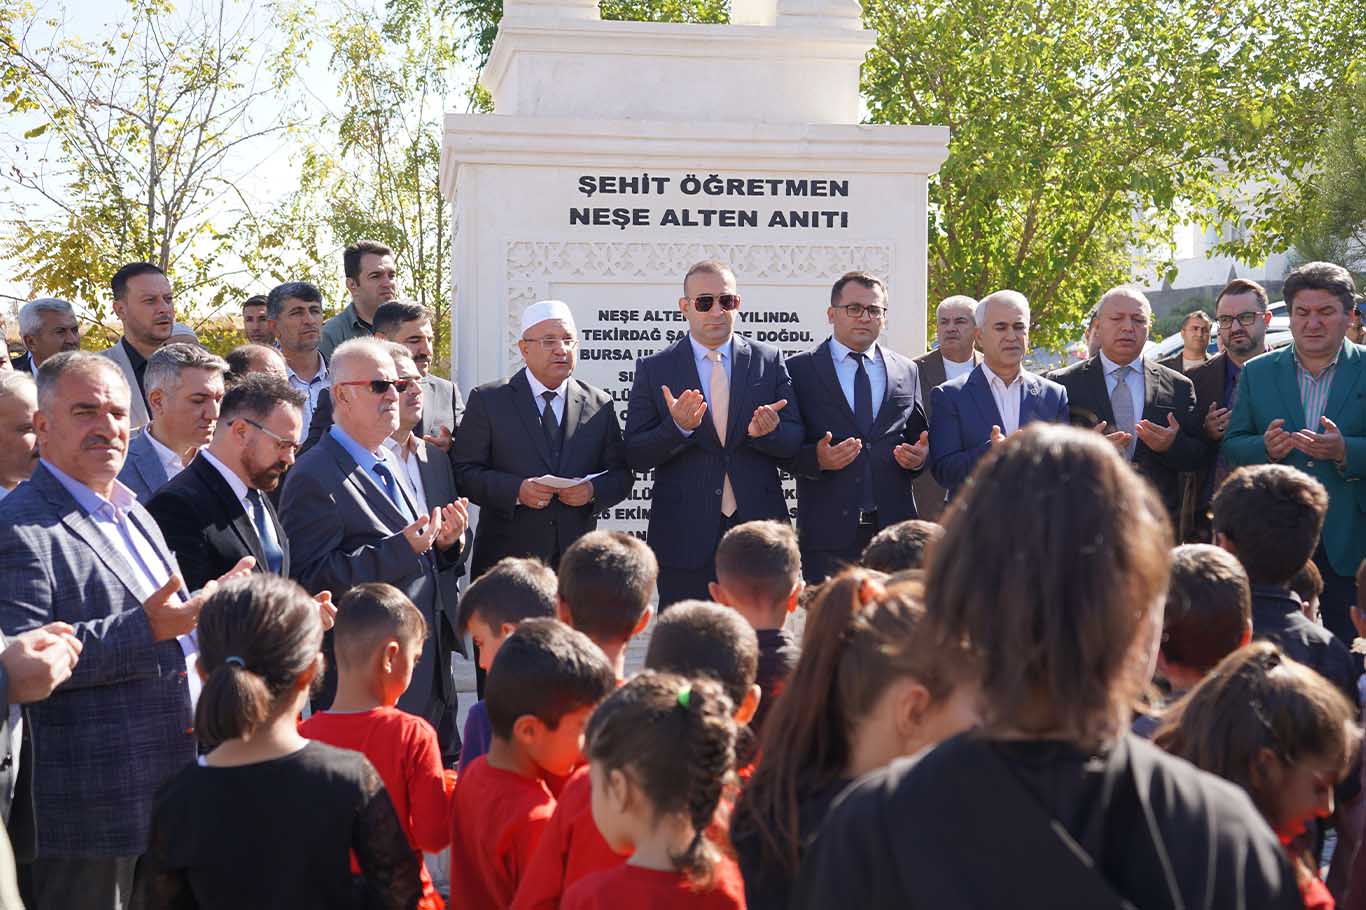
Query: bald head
point(1123, 317)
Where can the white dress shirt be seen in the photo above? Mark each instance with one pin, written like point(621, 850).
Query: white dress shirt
point(1007, 395)
point(311, 388)
point(170, 461)
point(1134, 381)
point(239, 489)
point(406, 455)
point(953, 369)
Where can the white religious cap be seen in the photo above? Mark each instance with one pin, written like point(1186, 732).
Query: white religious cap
point(542, 310)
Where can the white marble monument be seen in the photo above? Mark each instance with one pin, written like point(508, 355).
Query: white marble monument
point(620, 153)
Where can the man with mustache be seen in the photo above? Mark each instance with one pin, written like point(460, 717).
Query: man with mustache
point(215, 512)
point(48, 326)
point(997, 397)
point(79, 549)
point(184, 391)
point(350, 519)
point(1242, 316)
point(956, 330)
point(145, 304)
point(1146, 410)
point(18, 443)
point(295, 314)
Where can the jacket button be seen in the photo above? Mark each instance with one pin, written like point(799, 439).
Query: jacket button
point(718, 492)
point(1309, 463)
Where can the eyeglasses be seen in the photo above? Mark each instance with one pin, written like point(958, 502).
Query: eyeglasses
point(284, 444)
point(856, 310)
point(550, 342)
point(380, 386)
point(702, 302)
point(1244, 319)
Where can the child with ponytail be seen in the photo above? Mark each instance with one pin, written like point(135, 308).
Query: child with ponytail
point(868, 688)
point(1280, 731)
point(269, 819)
point(661, 751)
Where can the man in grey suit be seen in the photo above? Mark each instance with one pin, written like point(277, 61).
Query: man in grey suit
point(540, 421)
point(350, 519)
point(184, 390)
point(144, 303)
point(955, 328)
point(80, 549)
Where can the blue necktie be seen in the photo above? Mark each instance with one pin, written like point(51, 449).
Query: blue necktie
point(863, 420)
point(390, 486)
point(265, 531)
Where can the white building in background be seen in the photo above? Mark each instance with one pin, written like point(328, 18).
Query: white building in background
point(1200, 274)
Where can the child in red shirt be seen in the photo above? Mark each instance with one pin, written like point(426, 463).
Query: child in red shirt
point(378, 640)
point(542, 686)
point(661, 751)
point(693, 638)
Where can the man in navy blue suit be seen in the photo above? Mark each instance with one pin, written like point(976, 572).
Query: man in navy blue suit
point(997, 398)
point(714, 416)
point(850, 387)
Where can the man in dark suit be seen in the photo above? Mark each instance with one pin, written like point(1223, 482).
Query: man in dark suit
point(1146, 410)
point(215, 511)
point(350, 519)
point(716, 447)
point(540, 422)
point(47, 326)
point(79, 549)
point(849, 489)
point(442, 405)
point(1242, 316)
point(995, 399)
point(1195, 329)
point(956, 331)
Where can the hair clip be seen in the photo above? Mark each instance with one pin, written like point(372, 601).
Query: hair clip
point(684, 696)
point(236, 662)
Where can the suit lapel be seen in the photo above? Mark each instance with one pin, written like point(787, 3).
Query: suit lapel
point(737, 421)
point(1100, 391)
point(147, 464)
point(898, 382)
point(1029, 397)
point(1153, 382)
point(1287, 380)
point(574, 398)
point(980, 392)
point(825, 370)
point(222, 494)
point(368, 489)
point(1344, 383)
point(520, 388)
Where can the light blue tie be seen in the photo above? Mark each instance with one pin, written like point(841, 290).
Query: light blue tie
point(265, 530)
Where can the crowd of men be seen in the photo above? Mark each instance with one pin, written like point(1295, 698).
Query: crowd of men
point(134, 480)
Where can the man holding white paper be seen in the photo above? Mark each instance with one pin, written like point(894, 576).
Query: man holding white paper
point(523, 438)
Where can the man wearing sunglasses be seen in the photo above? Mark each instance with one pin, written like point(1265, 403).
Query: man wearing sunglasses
point(539, 421)
point(866, 431)
point(714, 415)
point(1241, 318)
point(351, 518)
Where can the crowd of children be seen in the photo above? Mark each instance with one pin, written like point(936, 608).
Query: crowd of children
point(967, 690)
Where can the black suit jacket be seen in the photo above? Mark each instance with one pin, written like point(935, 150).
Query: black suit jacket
point(1208, 381)
point(207, 527)
point(1164, 392)
point(828, 501)
point(501, 444)
point(23, 363)
point(685, 509)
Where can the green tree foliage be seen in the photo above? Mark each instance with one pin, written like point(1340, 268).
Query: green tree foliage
point(143, 128)
point(1082, 127)
point(1330, 224)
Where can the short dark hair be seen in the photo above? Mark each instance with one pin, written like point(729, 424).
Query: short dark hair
point(254, 300)
point(1321, 276)
point(256, 395)
point(290, 290)
point(759, 560)
point(707, 267)
point(351, 256)
point(1243, 286)
point(513, 589)
point(394, 313)
point(369, 615)
point(1308, 582)
point(1209, 607)
point(1197, 314)
point(547, 670)
point(240, 358)
point(872, 282)
point(700, 638)
point(1273, 515)
point(900, 547)
point(119, 283)
point(607, 579)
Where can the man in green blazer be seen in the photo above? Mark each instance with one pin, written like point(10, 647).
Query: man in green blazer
point(1305, 406)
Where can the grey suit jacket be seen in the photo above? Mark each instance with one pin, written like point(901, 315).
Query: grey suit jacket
point(137, 412)
point(438, 482)
point(108, 737)
point(143, 472)
point(343, 531)
point(930, 497)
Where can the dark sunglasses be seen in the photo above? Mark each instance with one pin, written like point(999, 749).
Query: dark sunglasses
point(702, 302)
point(380, 386)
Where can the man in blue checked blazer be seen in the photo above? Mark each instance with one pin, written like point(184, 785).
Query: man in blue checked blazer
point(79, 549)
